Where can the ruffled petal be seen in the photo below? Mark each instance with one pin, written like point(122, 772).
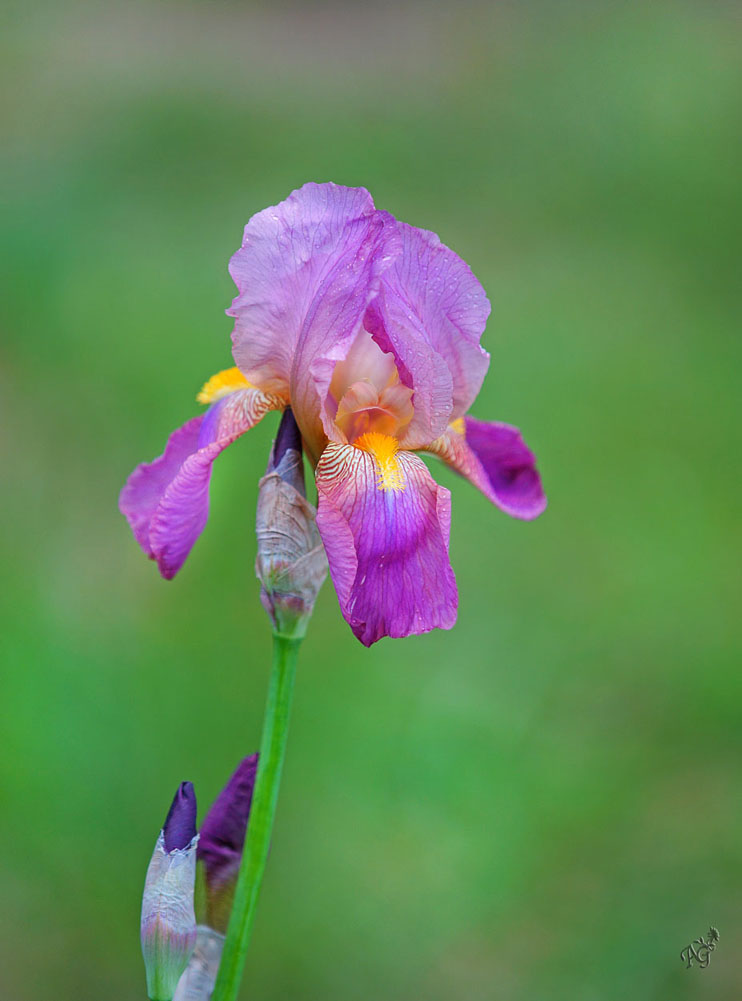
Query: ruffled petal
point(431, 312)
point(143, 490)
point(306, 271)
point(166, 502)
point(495, 459)
point(385, 524)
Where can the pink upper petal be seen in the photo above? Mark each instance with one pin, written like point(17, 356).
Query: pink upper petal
point(305, 273)
point(166, 502)
point(431, 313)
point(495, 459)
point(387, 549)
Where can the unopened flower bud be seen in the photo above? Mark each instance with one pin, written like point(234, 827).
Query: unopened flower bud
point(168, 919)
point(291, 563)
point(222, 840)
point(197, 983)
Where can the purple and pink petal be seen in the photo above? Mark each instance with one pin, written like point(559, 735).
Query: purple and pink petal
point(166, 502)
point(494, 457)
point(385, 524)
point(431, 312)
point(306, 271)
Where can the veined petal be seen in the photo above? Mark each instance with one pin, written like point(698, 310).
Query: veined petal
point(306, 271)
point(166, 502)
point(385, 524)
point(431, 312)
point(495, 459)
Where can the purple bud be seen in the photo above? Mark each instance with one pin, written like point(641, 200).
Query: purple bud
point(179, 828)
point(287, 439)
point(168, 927)
point(224, 826)
point(291, 563)
point(222, 839)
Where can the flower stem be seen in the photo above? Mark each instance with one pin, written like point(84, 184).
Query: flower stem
point(262, 811)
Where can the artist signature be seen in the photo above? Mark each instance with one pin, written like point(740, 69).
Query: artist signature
point(700, 950)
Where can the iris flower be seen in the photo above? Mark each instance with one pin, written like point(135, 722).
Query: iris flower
point(369, 330)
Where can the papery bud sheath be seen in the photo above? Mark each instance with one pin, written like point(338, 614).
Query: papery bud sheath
point(197, 983)
point(168, 928)
point(291, 563)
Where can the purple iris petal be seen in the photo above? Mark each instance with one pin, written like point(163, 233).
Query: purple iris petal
point(179, 828)
point(494, 457)
point(430, 313)
point(166, 501)
point(146, 486)
point(387, 546)
point(222, 835)
point(510, 467)
point(306, 271)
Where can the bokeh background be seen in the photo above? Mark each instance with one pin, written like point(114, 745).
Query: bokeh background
point(542, 803)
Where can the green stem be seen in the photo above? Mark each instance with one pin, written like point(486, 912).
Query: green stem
point(262, 812)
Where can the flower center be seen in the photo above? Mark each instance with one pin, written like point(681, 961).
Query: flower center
point(369, 395)
point(384, 450)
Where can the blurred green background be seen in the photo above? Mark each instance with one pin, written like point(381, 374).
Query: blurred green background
point(542, 803)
